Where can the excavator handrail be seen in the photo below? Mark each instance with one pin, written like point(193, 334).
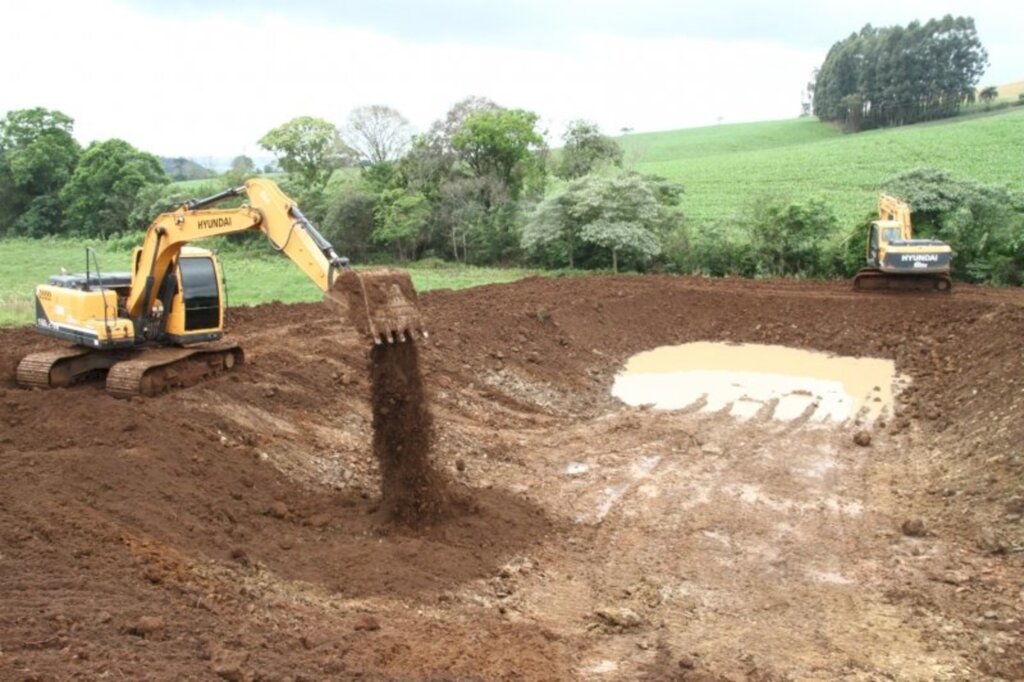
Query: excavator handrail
point(99, 278)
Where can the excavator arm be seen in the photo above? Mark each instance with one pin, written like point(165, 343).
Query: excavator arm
point(893, 209)
point(381, 303)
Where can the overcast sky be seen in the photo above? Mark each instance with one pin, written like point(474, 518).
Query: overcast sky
point(209, 78)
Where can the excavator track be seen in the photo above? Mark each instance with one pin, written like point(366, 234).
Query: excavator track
point(60, 368)
point(158, 370)
point(872, 279)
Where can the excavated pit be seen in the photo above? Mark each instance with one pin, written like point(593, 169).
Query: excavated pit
point(233, 530)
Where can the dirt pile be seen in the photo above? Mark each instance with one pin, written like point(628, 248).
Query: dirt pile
point(414, 492)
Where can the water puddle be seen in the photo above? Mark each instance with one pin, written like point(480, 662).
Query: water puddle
point(749, 379)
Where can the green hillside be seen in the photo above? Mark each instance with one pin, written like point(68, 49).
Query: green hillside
point(725, 139)
point(724, 167)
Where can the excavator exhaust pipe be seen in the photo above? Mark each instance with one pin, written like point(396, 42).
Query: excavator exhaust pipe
point(381, 304)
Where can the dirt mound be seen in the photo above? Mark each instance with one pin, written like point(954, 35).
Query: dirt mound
point(235, 529)
point(413, 491)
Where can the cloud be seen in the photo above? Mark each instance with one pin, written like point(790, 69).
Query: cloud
point(206, 79)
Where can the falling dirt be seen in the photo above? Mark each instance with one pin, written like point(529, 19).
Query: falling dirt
point(413, 491)
point(233, 530)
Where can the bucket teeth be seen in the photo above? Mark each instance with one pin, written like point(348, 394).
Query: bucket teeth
point(381, 304)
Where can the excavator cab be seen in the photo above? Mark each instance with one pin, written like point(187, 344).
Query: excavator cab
point(195, 303)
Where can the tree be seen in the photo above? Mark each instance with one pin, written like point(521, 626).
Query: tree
point(473, 215)
point(899, 75)
point(308, 147)
point(401, 220)
point(349, 219)
point(378, 133)
point(787, 238)
point(989, 94)
point(478, 163)
point(552, 226)
point(625, 215)
point(622, 235)
point(37, 157)
point(443, 131)
point(103, 191)
point(585, 150)
point(621, 214)
point(243, 165)
point(503, 144)
point(242, 168)
point(807, 95)
point(462, 216)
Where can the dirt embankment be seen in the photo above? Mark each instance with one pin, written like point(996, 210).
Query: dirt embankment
point(235, 530)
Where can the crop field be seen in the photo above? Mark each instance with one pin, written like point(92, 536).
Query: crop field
point(724, 167)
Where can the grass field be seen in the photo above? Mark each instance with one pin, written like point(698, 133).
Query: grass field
point(724, 167)
point(24, 263)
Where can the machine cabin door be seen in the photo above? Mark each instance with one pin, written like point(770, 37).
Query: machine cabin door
point(201, 293)
point(873, 245)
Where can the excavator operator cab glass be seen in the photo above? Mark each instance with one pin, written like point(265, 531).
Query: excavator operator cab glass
point(873, 242)
point(200, 292)
point(891, 234)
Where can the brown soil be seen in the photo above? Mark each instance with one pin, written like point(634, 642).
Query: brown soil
point(234, 529)
point(413, 491)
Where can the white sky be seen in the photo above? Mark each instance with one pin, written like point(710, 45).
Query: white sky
point(178, 80)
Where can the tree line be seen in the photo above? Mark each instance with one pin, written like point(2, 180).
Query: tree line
point(466, 190)
point(480, 186)
point(897, 75)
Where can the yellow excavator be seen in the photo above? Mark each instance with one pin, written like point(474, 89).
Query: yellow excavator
point(895, 260)
point(161, 325)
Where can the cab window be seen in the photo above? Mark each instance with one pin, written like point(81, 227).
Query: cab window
point(200, 292)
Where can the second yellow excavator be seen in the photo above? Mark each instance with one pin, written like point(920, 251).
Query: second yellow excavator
point(895, 260)
point(162, 324)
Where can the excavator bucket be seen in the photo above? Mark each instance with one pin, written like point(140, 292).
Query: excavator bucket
point(381, 304)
